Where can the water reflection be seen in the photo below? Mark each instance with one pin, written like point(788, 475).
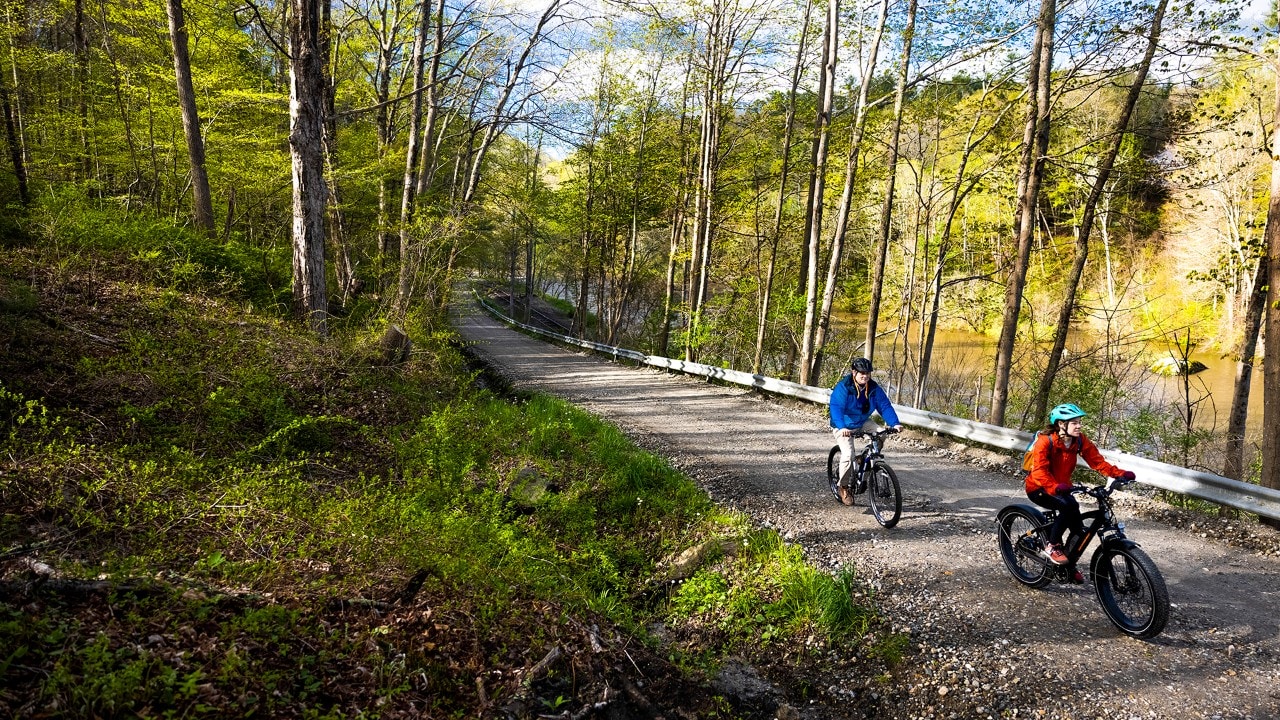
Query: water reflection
point(964, 356)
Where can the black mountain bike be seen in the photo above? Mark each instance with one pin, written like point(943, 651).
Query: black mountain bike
point(1127, 583)
point(870, 474)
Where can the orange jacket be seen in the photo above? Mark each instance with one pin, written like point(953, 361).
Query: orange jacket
point(1052, 463)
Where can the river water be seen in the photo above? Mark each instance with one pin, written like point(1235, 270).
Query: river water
point(958, 353)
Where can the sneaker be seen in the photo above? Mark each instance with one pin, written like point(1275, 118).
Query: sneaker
point(1053, 554)
point(1077, 577)
point(846, 497)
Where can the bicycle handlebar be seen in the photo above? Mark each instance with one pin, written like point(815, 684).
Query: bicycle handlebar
point(1100, 491)
point(882, 431)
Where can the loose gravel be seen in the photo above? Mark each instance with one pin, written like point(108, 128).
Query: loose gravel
point(981, 646)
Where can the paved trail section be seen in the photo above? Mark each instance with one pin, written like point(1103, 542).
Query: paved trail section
point(977, 638)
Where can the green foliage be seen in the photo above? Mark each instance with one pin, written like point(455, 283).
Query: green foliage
point(159, 254)
point(770, 595)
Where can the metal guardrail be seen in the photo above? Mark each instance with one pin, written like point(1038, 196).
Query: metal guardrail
point(1195, 483)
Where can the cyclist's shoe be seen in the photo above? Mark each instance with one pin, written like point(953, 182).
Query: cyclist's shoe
point(1053, 554)
point(1077, 577)
point(846, 497)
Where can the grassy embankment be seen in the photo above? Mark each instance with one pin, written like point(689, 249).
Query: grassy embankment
point(205, 511)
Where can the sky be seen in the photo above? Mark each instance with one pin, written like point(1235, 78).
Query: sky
point(1256, 9)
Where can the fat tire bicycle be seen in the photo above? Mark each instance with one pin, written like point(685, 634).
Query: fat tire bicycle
point(1126, 582)
point(870, 474)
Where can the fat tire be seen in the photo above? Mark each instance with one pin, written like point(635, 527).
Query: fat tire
point(833, 471)
point(884, 495)
point(1012, 525)
point(1139, 586)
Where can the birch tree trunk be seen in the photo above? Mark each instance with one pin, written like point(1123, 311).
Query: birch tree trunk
point(679, 211)
point(1233, 463)
point(766, 293)
point(886, 211)
point(409, 184)
point(1040, 407)
point(846, 195)
point(202, 203)
point(306, 149)
point(385, 28)
point(1035, 145)
point(722, 36)
point(426, 174)
point(817, 184)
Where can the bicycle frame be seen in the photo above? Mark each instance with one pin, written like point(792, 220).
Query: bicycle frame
point(1100, 523)
point(871, 454)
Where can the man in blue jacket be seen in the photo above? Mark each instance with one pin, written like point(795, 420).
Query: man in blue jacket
point(853, 400)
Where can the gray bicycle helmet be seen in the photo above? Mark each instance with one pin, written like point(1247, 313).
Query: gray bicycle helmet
point(1066, 411)
point(861, 365)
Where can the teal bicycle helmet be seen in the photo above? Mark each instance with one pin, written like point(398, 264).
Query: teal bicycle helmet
point(1066, 411)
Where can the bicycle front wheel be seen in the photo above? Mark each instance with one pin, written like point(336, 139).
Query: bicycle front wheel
point(1131, 590)
point(885, 495)
point(833, 471)
point(1020, 543)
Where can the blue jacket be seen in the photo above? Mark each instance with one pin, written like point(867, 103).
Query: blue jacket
point(852, 406)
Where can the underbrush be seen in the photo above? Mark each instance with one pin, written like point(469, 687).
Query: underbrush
point(205, 511)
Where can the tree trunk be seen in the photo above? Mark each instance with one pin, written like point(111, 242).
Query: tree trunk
point(343, 268)
point(386, 32)
point(306, 148)
point(1271, 355)
point(776, 232)
point(846, 195)
point(679, 211)
point(1040, 407)
point(15, 147)
point(1233, 464)
point(817, 184)
point(202, 203)
point(409, 184)
point(886, 211)
point(718, 44)
point(1035, 145)
point(82, 85)
point(426, 174)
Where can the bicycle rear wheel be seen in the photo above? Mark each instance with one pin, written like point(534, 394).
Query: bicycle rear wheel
point(1020, 544)
point(833, 471)
point(885, 495)
point(1131, 590)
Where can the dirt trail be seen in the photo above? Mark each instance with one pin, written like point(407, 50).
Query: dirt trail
point(979, 640)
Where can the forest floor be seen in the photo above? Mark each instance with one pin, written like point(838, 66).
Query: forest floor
point(980, 645)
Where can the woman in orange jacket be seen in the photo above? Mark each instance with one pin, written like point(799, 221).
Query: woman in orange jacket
point(1052, 459)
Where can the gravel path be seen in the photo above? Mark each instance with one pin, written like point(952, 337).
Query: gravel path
point(982, 646)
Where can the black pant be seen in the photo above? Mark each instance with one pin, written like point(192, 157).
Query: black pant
point(1068, 512)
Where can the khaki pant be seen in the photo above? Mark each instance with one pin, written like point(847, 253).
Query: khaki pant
point(847, 451)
